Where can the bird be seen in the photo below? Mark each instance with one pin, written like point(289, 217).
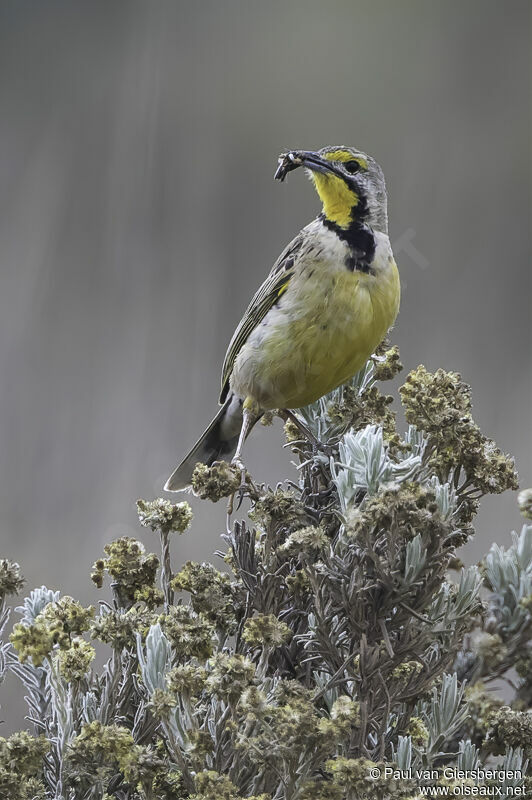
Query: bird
point(328, 302)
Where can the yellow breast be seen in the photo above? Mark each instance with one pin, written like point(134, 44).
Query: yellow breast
point(326, 326)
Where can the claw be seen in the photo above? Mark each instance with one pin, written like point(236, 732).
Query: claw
point(242, 490)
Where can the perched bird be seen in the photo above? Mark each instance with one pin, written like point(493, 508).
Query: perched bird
point(327, 303)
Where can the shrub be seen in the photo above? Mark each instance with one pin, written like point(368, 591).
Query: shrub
point(341, 649)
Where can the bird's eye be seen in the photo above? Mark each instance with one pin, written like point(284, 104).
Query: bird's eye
point(352, 167)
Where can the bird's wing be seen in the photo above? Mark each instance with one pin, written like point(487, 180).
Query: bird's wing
point(274, 285)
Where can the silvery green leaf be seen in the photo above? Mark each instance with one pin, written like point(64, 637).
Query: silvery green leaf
point(32, 677)
point(467, 596)
point(363, 378)
point(513, 770)
point(445, 713)
point(363, 463)
point(4, 646)
point(501, 569)
point(439, 605)
point(522, 546)
point(407, 469)
point(63, 716)
point(4, 617)
point(35, 603)
point(321, 679)
point(508, 573)
point(415, 558)
point(445, 497)
point(416, 440)
point(156, 660)
point(468, 758)
point(89, 707)
point(211, 724)
point(454, 602)
point(403, 755)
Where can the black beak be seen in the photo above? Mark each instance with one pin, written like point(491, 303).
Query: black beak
point(304, 158)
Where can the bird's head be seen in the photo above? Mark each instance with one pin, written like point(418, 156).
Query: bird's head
point(350, 184)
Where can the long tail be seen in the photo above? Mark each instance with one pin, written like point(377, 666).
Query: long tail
point(220, 439)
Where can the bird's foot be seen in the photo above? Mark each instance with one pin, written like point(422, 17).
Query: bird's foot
point(243, 489)
point(237, 463)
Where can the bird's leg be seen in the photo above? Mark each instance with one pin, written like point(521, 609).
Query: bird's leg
point(306, 432)
point(249, 418)
point(250, 415)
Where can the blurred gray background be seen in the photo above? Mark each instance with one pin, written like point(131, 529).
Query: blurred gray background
point(138, 213)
